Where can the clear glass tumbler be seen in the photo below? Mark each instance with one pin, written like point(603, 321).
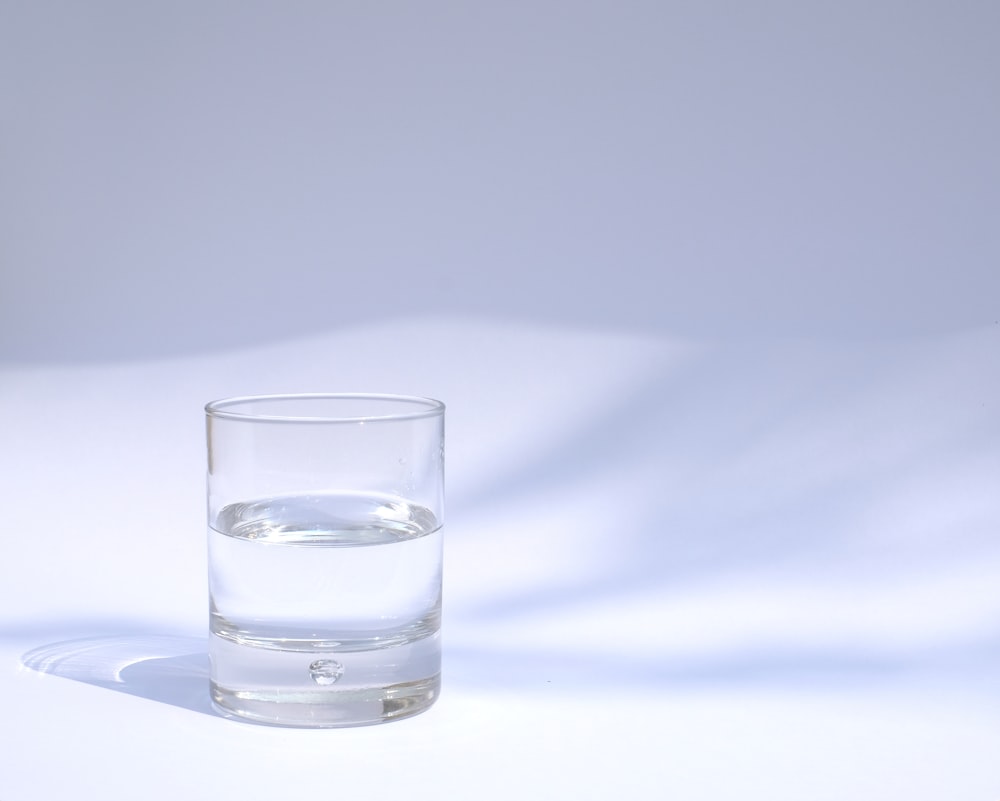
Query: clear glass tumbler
point(324, 551)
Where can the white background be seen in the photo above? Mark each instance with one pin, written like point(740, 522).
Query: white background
point(710, 291)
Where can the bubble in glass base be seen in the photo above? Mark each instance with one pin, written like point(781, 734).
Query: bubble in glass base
point(326, 671)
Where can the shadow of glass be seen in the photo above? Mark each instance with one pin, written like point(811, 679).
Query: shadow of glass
point(165, 668)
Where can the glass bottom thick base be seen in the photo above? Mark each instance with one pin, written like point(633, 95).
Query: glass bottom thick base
point(329, 709)
point(323, 688)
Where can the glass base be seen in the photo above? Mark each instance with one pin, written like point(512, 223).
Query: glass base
point(319, 687)
point(329, 708)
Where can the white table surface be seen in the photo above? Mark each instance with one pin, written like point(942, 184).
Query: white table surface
point(684, 569)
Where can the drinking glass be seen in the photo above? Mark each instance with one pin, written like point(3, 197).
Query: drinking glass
point(324, 552)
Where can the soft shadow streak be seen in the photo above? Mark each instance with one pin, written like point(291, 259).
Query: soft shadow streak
point(165, 668)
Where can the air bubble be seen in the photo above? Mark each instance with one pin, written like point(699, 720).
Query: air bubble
point(326, 671)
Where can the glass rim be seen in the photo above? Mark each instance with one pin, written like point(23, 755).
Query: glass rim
point(423, 407)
